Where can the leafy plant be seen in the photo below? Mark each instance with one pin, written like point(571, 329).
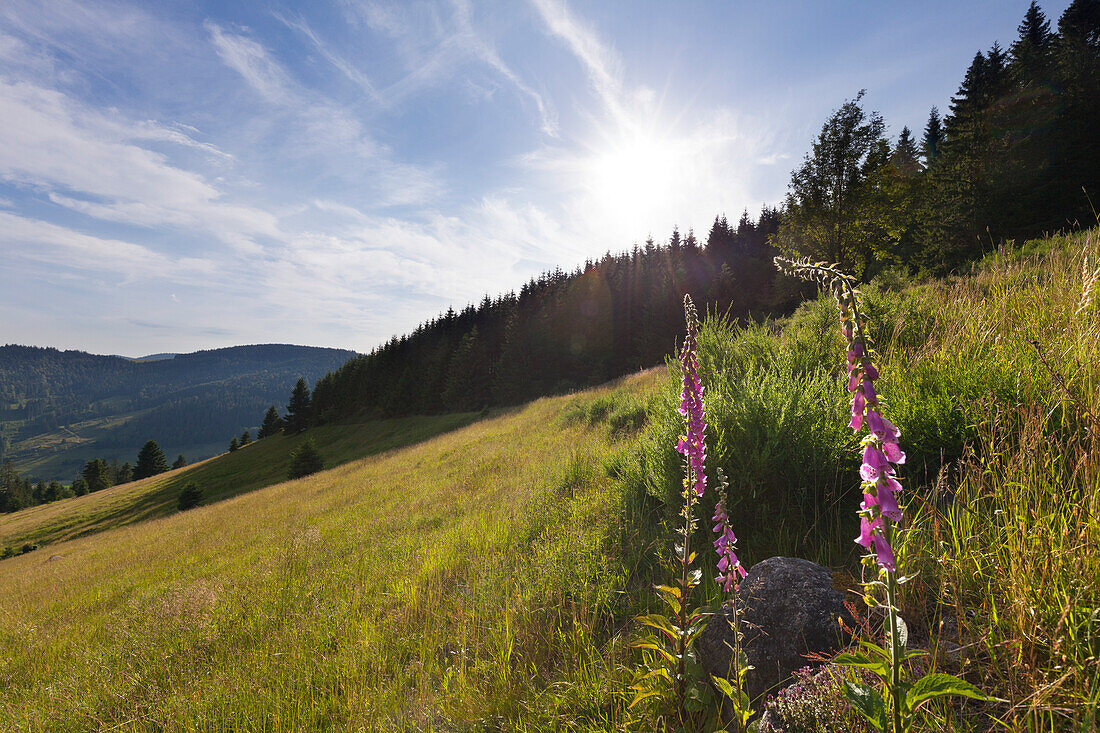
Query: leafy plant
point(878, 513)
point(671, 673)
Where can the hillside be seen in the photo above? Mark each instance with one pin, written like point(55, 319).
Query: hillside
point(443, 582)
point(59, 409)
point(486, 577)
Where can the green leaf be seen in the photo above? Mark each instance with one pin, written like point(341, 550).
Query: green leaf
point(724, 687)
point(938, 684)
point(660, 623)
point(643, 696)
point(672, 658)
point(868, 702)
point(879, 667)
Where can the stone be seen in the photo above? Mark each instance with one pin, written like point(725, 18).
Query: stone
point(789, 609)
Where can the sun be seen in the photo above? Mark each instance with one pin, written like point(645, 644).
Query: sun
point(633, 175)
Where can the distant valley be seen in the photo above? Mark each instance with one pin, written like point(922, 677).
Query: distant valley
point(59, 409)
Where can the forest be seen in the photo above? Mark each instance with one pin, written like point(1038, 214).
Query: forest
point(1015, 155)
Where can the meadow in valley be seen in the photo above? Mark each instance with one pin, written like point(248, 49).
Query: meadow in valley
point(487, 578)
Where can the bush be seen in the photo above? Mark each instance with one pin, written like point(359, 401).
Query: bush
point(305, 460)
point(190, 497)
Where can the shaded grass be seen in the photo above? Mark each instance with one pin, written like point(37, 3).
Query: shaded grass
point(260, 463)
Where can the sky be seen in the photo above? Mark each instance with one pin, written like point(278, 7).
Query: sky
point(180, 176)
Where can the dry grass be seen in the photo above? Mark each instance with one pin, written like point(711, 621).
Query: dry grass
point(465, 582)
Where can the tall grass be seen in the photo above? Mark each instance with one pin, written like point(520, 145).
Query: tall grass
point(474, 581)
point(994, 378)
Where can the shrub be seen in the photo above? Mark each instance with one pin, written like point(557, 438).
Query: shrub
point(190, 497)
point(305, 460)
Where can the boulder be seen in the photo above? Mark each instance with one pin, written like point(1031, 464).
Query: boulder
point(789, 609)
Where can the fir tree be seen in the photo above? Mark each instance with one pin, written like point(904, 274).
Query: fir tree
point(233, 445)
point(246, 438)
point(272, 424)
point(298, 409)
point(180, 461)
point(150, 461)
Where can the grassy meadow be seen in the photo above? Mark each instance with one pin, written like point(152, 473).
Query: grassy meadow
point(484, 576)
point(260, 463)
point(465, 582)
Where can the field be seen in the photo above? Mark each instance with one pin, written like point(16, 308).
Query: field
point(456, 580)
point(480, 573)
point(259, 464)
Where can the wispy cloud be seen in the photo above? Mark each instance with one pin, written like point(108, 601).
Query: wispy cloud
point(435, 45)
point(603, 66)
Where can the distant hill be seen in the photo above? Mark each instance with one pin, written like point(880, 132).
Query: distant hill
point(60, 408)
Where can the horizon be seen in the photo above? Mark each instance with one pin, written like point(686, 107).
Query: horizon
point(194, 177)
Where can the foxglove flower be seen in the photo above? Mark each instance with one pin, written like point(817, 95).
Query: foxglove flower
point(693, 444)
point(730, 570)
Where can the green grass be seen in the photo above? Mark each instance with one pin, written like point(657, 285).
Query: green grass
point(484, 579)
point(261, 463)
point(1002, 478)
point(472, 581)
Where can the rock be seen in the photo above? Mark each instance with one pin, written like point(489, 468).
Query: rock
point(789, 609)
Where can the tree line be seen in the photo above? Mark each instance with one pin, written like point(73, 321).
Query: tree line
point(97, 474)
point(1015, 156)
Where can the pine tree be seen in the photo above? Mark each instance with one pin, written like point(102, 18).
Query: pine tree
point(272, 424)
point(150, 461)
point(96, 474)
point(246, 438)
point(305, 460)
point(233, 445)
point(298, 409)
point(190, 497)
point(933, 137)
point(180, 461)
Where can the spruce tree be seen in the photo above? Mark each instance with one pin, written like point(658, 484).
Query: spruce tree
point(272, 424)
point(150, 461)
point(297, 410)
point(190, 497)
point(933, 137)
point(305, 460)
point(180, 461)
point(246, 438)
point(233, 445)
point(96, 474)
point(1033, 50)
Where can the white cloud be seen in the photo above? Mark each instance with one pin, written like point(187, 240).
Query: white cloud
point(89, 162)
point(40, 241)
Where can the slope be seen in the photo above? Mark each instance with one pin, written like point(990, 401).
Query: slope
point(61, 408)
point(445, 584)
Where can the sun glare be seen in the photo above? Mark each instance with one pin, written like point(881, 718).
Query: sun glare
point(633, 176)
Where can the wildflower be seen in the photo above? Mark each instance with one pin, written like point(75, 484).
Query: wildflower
point(693, 444)
point(729, 567)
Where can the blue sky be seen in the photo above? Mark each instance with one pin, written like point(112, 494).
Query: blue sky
point(177, 176)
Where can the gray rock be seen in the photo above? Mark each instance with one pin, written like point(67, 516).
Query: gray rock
point(789, 609)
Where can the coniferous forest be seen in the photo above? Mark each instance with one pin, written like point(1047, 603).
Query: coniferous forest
point(1015, 154)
